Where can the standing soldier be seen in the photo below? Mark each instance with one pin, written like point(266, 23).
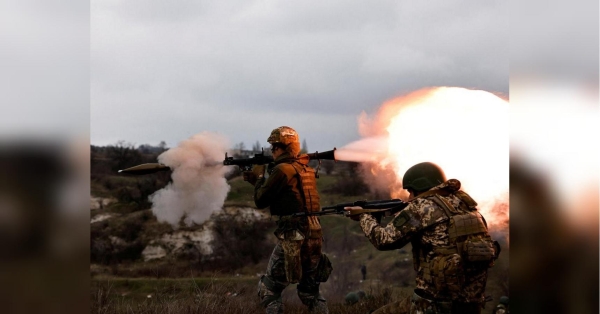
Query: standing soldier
point(363, 271)
point(451, 247)
point(291, 188)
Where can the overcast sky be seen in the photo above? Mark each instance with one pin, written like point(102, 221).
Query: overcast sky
point(165, 70)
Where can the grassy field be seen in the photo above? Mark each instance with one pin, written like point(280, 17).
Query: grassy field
point(163, 286)
point(390, 277)
point(234, 295)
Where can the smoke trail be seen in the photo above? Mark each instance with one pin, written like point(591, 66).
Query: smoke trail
point(198, 186)
point(368, 149)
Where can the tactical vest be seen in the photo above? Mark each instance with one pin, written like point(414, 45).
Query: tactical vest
point(470, 246)
point(301, 198)
point(292, 198)
point(307, 187)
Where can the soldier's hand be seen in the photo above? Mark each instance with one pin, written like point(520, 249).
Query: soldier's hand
point(249, 176)
point(259, 171)
point(350, 212)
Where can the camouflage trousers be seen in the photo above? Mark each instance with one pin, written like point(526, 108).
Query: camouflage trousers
point(420, 305)
point(415, 304)
point(275, 281)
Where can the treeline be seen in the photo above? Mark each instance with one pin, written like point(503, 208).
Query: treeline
point(107, 160)
point(131, 191)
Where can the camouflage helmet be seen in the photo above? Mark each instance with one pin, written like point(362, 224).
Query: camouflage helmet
point(283, 135)
point(423, 176)
point(504, 300)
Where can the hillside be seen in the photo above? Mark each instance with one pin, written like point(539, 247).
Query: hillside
point(128, 242)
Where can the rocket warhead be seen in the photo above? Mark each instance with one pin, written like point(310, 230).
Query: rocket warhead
point(145, 169)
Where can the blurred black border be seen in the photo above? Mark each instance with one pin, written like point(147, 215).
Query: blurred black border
point(554, 244)
point(45, 246)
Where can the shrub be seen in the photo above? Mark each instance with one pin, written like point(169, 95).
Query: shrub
point(239, 241)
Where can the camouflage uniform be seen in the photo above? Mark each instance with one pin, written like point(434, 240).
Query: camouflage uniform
point(452, 286)
point(297, 254)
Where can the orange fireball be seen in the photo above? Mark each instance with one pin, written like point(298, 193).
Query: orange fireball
point(466, 132)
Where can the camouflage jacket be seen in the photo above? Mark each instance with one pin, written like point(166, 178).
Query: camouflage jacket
point(425, 225)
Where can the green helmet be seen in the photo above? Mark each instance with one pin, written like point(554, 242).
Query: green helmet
point(283, 135)
point(351, 298)
point(504, 300)
point(423, 176)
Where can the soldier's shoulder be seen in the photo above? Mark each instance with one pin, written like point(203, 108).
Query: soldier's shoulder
point(425, 210)
point(283, 166)
point(419, 205)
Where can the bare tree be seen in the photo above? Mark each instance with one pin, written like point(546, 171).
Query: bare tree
point(256, 147)
point(123, 155)
point(238, 149)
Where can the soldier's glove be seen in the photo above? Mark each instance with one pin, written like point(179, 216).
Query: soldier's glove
point(250, 177)
point(258, 172)
point(350, 212)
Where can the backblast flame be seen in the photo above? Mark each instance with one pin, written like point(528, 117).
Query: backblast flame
point(464, 131)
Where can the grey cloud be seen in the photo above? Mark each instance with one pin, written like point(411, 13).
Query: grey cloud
point(334, 58)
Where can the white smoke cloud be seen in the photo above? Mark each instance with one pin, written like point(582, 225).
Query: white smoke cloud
point(198, 186)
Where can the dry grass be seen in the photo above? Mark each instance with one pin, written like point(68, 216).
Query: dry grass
point(207, 295)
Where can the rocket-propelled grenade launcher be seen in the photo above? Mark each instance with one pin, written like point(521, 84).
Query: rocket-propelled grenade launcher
point(260, 159)
point(245, 164)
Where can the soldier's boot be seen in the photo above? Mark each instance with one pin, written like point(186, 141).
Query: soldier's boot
point(421, 305)
point(275, 307)
point(319, 307)
point(315, 302)
point(270, 296)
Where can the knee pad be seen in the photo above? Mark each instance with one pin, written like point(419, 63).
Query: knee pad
point(311, 297)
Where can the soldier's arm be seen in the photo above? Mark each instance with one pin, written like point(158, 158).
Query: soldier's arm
point(266, 189)
point(394, 235)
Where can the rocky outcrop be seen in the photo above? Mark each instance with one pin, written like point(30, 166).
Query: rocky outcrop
point(194, 244)
point(98, 203)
